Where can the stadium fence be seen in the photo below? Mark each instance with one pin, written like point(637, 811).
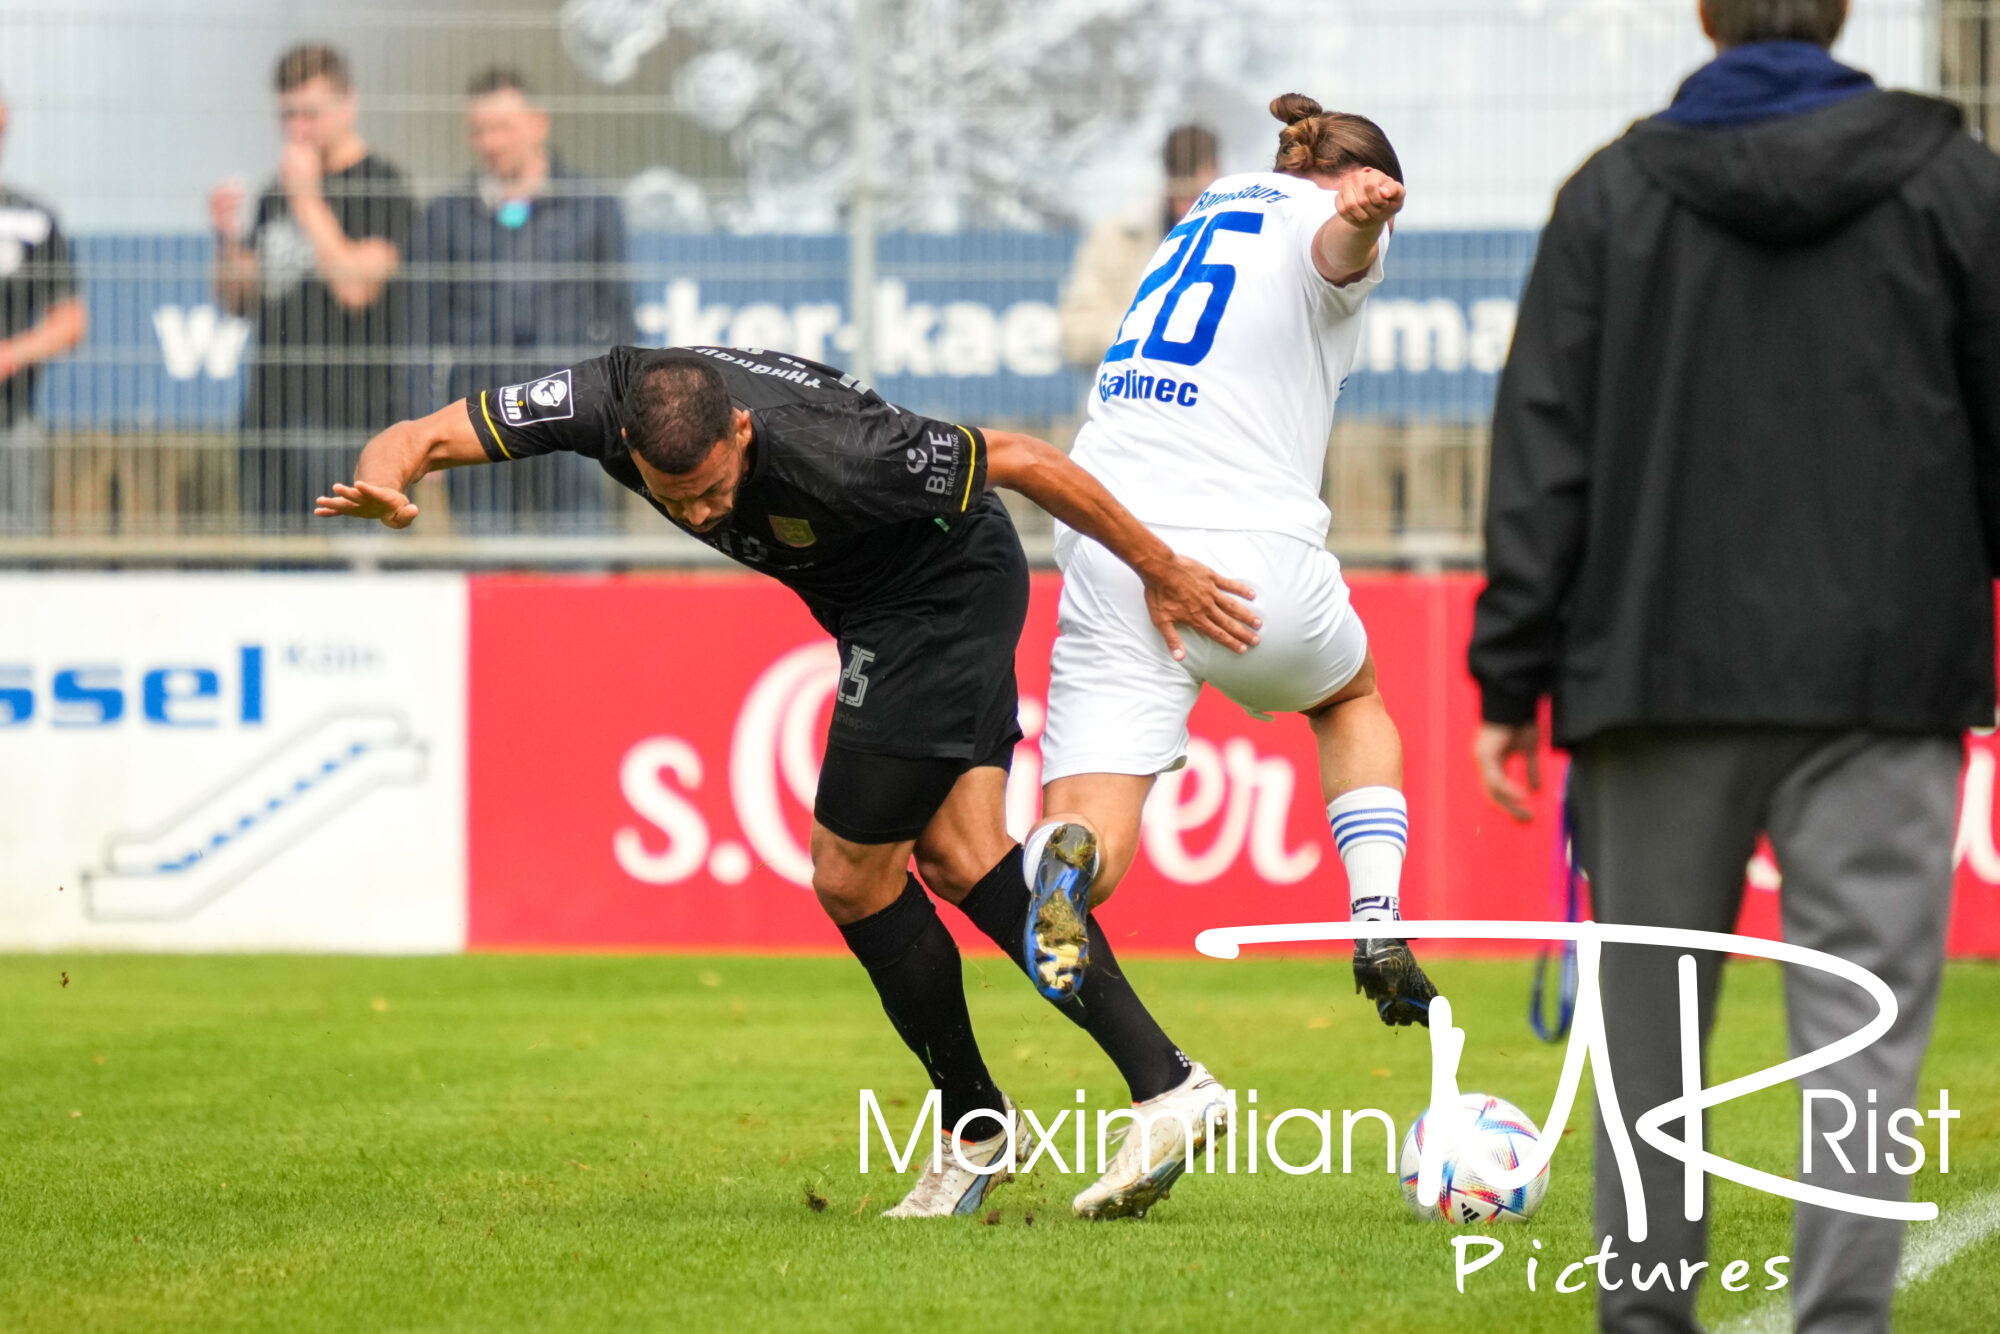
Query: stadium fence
point(895, 186)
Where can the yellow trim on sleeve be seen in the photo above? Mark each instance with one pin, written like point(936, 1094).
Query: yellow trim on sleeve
point(488, 414)
point(971, 468)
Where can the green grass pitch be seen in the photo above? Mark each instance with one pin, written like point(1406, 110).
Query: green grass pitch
point(636, 1143)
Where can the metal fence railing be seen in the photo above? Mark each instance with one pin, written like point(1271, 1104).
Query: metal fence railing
point(1969, 58)
point(901, 187)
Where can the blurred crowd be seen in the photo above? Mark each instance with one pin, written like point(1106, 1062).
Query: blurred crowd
point(367, 306)
point(515, 269)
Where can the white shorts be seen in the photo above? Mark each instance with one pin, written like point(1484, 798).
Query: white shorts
point(1118, 702)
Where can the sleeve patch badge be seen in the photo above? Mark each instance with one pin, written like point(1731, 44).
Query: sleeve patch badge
point(793, 532)
point(550, 398)
point(942, 458)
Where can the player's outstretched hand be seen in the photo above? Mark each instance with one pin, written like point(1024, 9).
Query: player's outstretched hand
point(1186, 592)
point(365, 500)
point(1368, 198)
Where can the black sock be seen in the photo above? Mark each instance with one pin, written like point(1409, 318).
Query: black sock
point(1105, 1006)
point(913, 962)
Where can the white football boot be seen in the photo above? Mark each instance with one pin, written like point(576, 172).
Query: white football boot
point(944, 1188)
point(1148, 1164)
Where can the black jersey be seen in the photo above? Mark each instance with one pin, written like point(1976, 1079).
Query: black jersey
point(847, 497)
point(319, 363)
point(35, 275)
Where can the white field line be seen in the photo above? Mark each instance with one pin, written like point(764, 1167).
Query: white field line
point(1927, 1250)
point(1772, 1318)
point(1930, 1249)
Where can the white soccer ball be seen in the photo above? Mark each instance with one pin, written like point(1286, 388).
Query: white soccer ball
point(1491, 1135)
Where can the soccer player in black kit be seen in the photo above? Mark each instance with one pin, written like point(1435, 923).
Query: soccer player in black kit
point(883, 522)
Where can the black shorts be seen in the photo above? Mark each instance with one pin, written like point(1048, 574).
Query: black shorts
point(868, 798)
point(926, 689)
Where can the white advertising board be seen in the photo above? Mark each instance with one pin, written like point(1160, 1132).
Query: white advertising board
point(249, 762)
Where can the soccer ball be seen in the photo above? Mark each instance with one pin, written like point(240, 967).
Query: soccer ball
point(1493, 1135)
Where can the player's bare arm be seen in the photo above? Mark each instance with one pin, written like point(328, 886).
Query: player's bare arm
point(1179, 591)
point(394, 461)
point(1344, 247)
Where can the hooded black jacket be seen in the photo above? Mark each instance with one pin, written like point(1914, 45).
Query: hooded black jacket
point(1746, 449)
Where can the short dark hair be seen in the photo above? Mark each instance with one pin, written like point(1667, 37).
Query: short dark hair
point(308, 61)
point(676, 411)
point(1737, 22)
point(498, 79)
point(1190, 150)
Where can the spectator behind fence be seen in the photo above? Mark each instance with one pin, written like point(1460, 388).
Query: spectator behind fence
point(41, 316)
point(315, 273)
point(1112, 259)
point(523, 271)
point(1743, 523)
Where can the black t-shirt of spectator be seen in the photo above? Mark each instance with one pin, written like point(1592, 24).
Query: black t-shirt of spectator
point(848, 498)
point(35, 274)
point(318, 363)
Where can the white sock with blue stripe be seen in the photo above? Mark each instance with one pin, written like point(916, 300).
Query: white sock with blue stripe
point(1371, 828)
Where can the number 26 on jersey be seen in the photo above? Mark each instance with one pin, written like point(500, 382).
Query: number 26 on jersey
point(1187, 266)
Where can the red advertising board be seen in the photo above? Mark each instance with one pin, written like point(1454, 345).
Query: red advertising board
point(643, 753)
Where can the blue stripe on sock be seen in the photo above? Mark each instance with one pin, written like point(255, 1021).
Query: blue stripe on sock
point(1376, 813)
point(1351, 825)
point(1383, 817)
point(1380, 829)
point(1371, 824)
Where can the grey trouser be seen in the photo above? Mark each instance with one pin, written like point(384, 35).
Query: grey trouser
point(24, 480)
point(1862, 824)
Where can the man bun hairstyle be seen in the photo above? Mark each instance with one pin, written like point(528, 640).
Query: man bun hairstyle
point(1292, 108)
point(308, 61)
point(1737, 22)
point(678, 410)
point(1317, 142)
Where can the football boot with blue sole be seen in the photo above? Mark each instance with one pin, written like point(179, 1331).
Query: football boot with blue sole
point(1055, 944)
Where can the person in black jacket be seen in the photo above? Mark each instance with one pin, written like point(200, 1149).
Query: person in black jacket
point(1743, 521)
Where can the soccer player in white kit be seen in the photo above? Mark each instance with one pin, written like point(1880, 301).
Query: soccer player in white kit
point(1209, 421)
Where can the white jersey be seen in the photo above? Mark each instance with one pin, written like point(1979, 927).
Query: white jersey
point(1213, 408)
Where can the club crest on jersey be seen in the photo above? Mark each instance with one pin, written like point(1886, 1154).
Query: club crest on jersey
point(793, 532)
point(550, 398)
